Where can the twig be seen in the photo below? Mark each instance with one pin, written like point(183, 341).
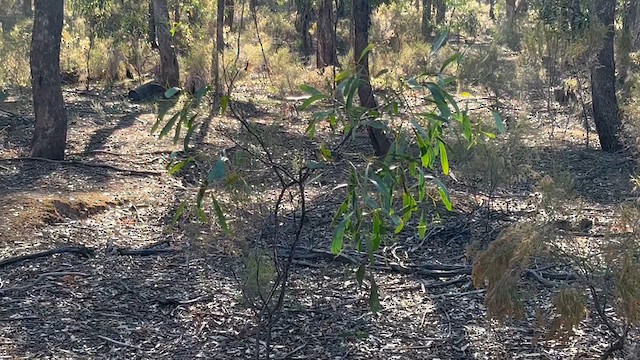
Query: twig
point(145, 252)
point(19, 318)
point(80, 249)
point(118, 342)
point(459, 294)
point(184, 302)
point(42, 277)
point(81, 163)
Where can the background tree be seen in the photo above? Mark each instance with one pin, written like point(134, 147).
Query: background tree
point(426, 26)
point(50, 134)
point(361, 21)
point(169, 70)
point(304, 13)
point(326, 35)
point(218, 49)
point(603, 81)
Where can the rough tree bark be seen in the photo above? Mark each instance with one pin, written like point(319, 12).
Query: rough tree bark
point(219, 48)
point(326, 35)
point(169, 72)
point(603, 80)
point(441, 11)
point(426, 26)
point(229, 12)
point(361, 19)
point(151, 31)
point(50, 133)
point(303, 25)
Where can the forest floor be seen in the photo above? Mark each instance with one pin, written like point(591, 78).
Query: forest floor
point(104, 299)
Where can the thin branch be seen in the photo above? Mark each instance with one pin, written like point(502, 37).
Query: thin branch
point(85, 164)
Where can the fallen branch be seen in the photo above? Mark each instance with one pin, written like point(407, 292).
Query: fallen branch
point(118, 342)
point(173, 301)
point(42, 277)
point(145, 252)
point(80, 250)
point(85, 164)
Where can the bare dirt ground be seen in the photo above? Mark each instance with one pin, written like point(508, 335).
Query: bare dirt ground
point(186, 301)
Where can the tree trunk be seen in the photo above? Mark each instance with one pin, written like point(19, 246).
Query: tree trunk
point(426, 27)
point(303, 24)
point(510, 6)
point(603, 80)
point(50, 133)
point(327, 54)
point(169, 71)
point(229, 9)
point(361, 18)
point(441, 11)
point(252, 6)
point(27, 11)
point(219, 48)
point(522, 8)
point(151, 32)
point(492, 13)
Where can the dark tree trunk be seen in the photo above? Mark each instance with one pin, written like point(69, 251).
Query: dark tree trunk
point(510, 6)
point(169, 71)
point(361, 18)
point(27, 11)
point(229, 9)
point(426, 27)
point(327, 54)
point(219, 48)
point(252, 6)
point(522, 8)
point(492, 13)
point(303, 24)
point(603, 80)
point(151, 34)
point(441, 11)
point(50, 133)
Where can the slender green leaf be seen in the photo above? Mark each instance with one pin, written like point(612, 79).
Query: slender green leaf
point(453, 58)
point(439, 42)
point(365, 52)
point(374, 296)
point(222, 220)
point(169, 125)
point(444, 159)
point(311, 100)
point(179, 212)
point(360, 274)
point(310, 90)
point(499, 122)
point(337, 243)
point(422, 226)
point(171, 91)
point(177, 167)
point(444, 194)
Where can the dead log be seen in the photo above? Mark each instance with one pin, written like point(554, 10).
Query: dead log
point(146, 92)
point(80, 250)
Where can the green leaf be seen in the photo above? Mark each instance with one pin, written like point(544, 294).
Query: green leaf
point(499, 122)
point(169, 125)
point(376, 233)
point(217, 172)
point(439, 42)
point(310, 90)
point(439, 99)
point(325, 152)
point(177, 167)
point(444, 159)
point(422, 226)
point(171, 91)
point(344, 74)
point(374, 296)
point(365, 52)
point(453, 58)
point(222, 221)
point(313, 165)
point(179, 212)
point(224, 103)
point(444, 194)
point(337, 242)
point(381, 72)
point(311, 100)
